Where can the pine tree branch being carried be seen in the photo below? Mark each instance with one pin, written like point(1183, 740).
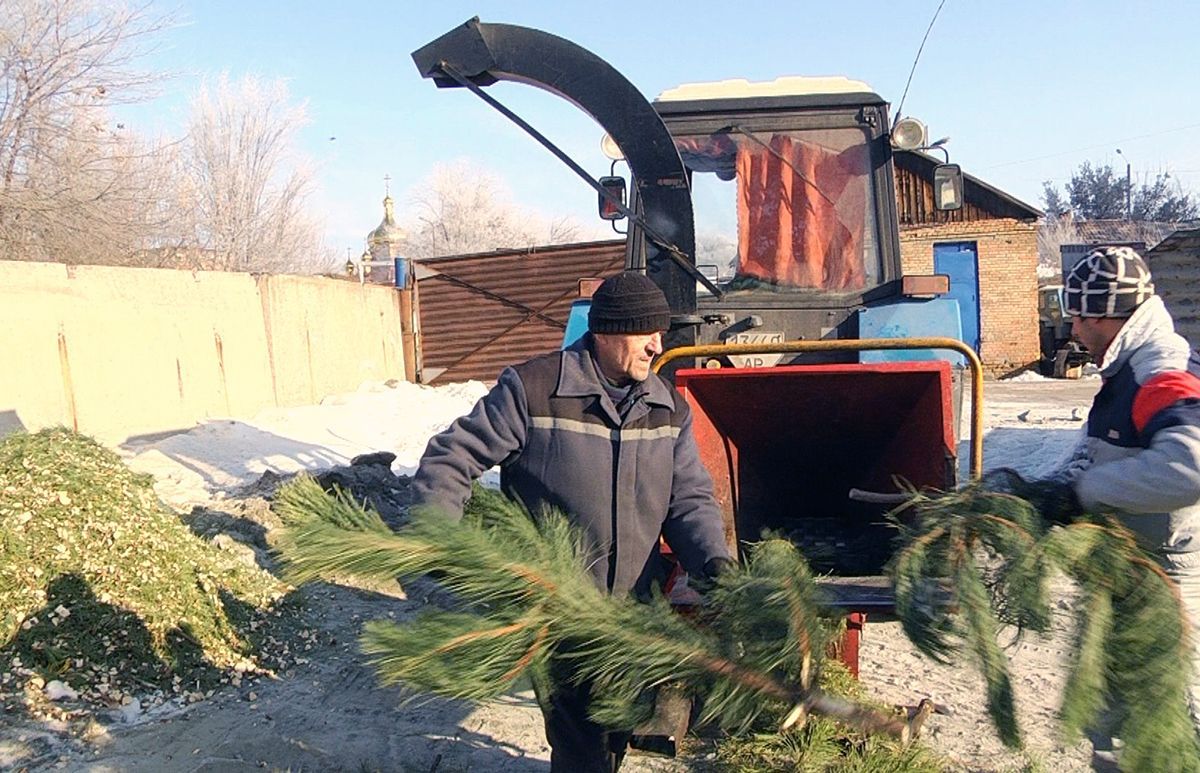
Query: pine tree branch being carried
point(1133, 654)
point(755, 651)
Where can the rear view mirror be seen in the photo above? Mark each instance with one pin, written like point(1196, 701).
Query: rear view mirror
point(947, 187)
point(615, 188)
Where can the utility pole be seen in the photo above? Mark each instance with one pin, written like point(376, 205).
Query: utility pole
point(1128, 187)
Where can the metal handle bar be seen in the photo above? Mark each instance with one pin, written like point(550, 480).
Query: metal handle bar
point(858, 345)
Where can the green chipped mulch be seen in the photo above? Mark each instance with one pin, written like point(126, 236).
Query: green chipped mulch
point(107, 591)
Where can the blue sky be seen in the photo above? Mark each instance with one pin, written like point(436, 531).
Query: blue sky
point(1026, 90)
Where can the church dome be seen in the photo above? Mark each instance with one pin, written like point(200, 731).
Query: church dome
point(387, 233)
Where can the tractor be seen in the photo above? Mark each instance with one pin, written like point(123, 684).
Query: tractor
point(821, 378)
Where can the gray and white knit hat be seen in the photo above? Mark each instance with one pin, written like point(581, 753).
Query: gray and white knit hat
point(1108, 282)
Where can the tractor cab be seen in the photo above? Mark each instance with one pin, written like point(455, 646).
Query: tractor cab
point(788, 178)
point(795, 222)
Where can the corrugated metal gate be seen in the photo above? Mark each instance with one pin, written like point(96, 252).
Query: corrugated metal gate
point(482, 313)
point(1175, 266)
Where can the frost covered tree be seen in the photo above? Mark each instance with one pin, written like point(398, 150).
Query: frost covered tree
point(78, 187)
point(73, 182)
point(461, 208)
point(248, 184)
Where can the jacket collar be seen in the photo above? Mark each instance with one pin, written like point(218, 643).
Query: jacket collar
point(579, 376)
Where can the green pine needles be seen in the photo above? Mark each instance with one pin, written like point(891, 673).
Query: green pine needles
point(975, 559)
point(755, 652)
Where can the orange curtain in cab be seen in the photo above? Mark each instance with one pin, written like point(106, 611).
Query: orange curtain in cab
point(801, 225)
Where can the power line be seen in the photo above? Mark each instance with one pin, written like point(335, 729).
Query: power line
point(1106, 144)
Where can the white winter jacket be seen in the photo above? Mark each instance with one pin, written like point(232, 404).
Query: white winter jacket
point(1141, 453)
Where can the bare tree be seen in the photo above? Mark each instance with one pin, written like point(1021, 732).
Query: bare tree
point(460, 208)
point(248, 185)
point(71, 185)
point(1052, 233)
point(77, 188)
point(563, 230)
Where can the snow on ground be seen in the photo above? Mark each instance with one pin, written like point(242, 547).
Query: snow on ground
point(1029, 424)
point(221, 455)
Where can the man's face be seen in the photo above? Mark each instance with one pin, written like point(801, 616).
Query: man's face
point(627, 357)
point(1095, 333)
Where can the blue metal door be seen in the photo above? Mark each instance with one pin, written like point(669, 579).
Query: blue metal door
point(960, 260)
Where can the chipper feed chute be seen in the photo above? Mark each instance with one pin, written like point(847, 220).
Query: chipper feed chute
point(786, 445)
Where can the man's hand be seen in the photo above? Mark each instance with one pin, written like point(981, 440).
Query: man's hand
point(1055, 500)
point(713, 569)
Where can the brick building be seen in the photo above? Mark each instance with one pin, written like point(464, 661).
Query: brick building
point(989, 248)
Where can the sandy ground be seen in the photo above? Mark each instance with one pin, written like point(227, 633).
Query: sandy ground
point(329, 714)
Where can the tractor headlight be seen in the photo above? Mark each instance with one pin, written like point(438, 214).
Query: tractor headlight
point(909, 134)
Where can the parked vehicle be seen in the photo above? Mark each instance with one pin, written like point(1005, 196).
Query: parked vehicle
point(818, 373)
point(1062, 357)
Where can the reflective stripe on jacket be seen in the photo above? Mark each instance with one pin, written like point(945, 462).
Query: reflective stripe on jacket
point(560, 442)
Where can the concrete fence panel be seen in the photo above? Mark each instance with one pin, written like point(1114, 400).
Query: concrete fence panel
point(119, 352)
point(323, 334)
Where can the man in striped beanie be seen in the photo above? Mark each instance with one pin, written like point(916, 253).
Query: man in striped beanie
point(1108, 282)
point(1140, 456)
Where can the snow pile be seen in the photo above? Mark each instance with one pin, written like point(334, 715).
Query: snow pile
point(1029, 426)
point(1026, 375)
point(224, 454)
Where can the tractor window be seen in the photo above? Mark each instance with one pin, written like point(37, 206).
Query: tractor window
point(784, 211)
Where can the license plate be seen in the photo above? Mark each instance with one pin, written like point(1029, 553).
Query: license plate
point(756, 337)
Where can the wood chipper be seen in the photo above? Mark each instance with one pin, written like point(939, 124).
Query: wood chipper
point(821, 379)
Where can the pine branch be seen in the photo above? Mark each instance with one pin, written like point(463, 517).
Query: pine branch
point(321, 551)
point(1150, 668)
point(304, 502)
point(529, 595)
point(1133, 652)
point(980, 631)
point(1083, 695)
point(926, 622)
point(454, 655)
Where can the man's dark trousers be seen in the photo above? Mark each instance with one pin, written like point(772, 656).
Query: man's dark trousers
point(577, 744)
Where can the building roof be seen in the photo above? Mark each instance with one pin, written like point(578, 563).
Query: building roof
point(1183, 239)
point(1098, 232)
point(976, 192)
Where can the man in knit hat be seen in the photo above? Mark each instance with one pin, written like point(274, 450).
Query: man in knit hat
point(1140, 455)
point(592, 432)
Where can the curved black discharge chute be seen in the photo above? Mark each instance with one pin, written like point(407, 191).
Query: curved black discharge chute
point(487, 53)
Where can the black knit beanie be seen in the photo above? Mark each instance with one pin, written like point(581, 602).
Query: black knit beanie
point(629, 303)
point(1107, 282)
